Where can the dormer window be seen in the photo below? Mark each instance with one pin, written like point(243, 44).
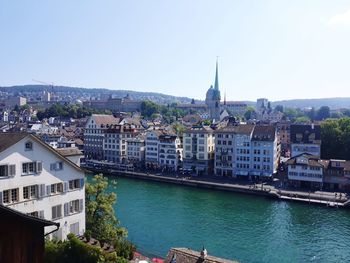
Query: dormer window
point(29, 146)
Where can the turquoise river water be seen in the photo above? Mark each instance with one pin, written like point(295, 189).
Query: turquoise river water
point(247, 228)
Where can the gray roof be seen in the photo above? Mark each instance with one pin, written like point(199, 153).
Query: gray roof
point(30, 219)
point(264, 133)
point(186, 255)
point(9, 139)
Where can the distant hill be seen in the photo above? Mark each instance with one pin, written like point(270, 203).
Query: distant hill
point(333, 103)
point(96, 92)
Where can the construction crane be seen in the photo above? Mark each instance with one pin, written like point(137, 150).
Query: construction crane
point(45, 83)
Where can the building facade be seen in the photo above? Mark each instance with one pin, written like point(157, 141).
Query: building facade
point(246, 151)
point(305, 139)
point(37, 180)
point(115, 142)
point(198, 150)
point(94, 135)
point(170, 152)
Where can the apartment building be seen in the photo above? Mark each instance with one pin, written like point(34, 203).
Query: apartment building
point(115, 142)
point(198, 150)
point(94, 135)
point(152, 148)
point(246, 151)
point(305, 139)
point(37, 180)
point(136, 150)
point(170, 152)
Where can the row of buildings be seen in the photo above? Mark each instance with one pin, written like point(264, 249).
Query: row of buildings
point(231, 149)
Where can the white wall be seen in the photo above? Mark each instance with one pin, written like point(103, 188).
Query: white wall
point(17, 155)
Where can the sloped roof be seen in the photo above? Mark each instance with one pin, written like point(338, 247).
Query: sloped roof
point(264, 133)
point(30, 219)
point(104, 119)
point(9, 139)
point(185, 255)
point(311, 160)
point(69, 151)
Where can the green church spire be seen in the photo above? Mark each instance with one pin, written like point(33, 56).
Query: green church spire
point(216, 85)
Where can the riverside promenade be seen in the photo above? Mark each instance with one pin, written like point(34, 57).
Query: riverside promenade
point(329, 199)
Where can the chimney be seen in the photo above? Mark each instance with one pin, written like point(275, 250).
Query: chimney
point(204, 253)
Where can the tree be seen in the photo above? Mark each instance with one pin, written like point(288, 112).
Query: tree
point(323, 113)
point(279, 108)
point(249, 113)
point(148, 108)
point(302, 119)
point(101, 221)
point(74, 250)
point(335, 136)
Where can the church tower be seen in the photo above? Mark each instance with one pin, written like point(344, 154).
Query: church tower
point(213, 97)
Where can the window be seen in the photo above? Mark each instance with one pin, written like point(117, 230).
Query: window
point(56, 166)
point(74, 206)
point(75, 184)
point(31, 168)
point(30, 192)
point(56, 212)
point(7, 170)
point(56, 188)
point(28, 146)
point(10, 195)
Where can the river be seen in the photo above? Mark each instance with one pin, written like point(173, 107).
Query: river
point(246, 228)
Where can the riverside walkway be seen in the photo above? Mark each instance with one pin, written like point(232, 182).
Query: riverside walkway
point(330, 199)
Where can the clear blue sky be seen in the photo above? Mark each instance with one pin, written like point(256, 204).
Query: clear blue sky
point(275, 49)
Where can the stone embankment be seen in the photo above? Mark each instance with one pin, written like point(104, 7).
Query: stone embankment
point(329, 199)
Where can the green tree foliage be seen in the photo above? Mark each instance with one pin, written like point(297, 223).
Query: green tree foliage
point(101, 221)
point(302, 119)
point(148, 108)
point(72, 111)
point(249, 113)
point(323, 113)
point(169, 113)
point(178, 128)
point(279, 108)
point(75, 251)
point(335, 136)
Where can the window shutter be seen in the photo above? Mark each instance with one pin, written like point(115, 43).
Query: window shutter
point(82, 181)
point(48, 189)
point(39, 167)
point(41, 214)
point(65, 187)
point(41, 190)
point(66, 209)
point(12, 170)
point(81, 205)
point(0, 197)
point(52, 166)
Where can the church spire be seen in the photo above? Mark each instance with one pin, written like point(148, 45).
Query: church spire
point(225, 98)
point(216, 85)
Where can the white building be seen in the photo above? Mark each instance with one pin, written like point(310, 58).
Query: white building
point(305, 139)
point(170, 151)
point(37, 180)
point(152, 146)
point(306, 170)
point(136, 150)
point(246, 151)
point(115, 142)
point(198, 149)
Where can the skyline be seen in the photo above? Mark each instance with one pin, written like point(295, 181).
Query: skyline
point(267, 49)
